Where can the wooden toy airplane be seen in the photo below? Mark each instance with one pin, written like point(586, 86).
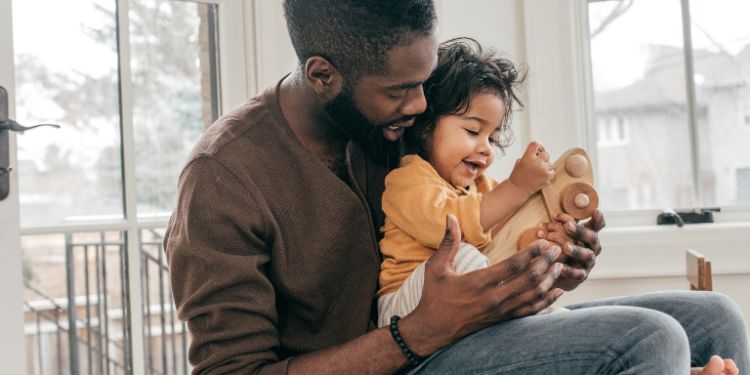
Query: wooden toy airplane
point(570, 191)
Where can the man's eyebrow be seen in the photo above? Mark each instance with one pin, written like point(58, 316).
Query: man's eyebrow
point(406, 86)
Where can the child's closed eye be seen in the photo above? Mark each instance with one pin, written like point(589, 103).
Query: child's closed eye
point(472, 132)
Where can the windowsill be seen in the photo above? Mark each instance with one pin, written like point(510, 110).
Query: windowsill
point(644, 251)
point(645, 219)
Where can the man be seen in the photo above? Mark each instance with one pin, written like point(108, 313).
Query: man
point(273, 244)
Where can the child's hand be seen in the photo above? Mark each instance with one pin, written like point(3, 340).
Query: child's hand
point(533, 170)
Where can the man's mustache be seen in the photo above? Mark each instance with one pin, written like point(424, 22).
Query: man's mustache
point(398, 121)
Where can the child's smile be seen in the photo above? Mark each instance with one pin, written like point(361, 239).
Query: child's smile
point(462, 145)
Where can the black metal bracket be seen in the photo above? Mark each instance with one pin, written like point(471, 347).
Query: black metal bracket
point(680, 218)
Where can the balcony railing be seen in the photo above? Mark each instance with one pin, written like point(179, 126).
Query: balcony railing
point(95, 301)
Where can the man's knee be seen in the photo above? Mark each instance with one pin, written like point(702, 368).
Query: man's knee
point(720, 304)
point(654, 333)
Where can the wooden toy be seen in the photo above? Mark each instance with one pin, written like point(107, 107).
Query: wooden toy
point(571, 191)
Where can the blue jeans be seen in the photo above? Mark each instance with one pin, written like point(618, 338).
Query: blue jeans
point(656, 333)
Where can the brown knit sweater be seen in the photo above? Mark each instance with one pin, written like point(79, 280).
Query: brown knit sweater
point(270, 254)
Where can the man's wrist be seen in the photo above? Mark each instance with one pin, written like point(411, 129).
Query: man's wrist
point(413, 358)
point(422, 341)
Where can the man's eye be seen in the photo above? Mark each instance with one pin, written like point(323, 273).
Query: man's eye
point(495, 141)
point(397, 95)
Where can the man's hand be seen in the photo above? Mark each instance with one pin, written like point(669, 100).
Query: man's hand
point(579, 257)
point(453, 305)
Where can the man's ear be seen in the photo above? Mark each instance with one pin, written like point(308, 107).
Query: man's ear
point(323, 76)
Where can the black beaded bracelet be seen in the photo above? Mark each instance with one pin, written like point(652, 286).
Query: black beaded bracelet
point(414, 359)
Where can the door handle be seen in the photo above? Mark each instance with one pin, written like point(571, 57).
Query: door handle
point(16, 127)
point(6, 126)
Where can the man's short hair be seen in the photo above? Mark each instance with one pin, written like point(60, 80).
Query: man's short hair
point(356, 35)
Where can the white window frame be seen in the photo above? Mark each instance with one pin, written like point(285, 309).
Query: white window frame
point(736, 168)
point(561, 94)
point(237, 83)
point(745, 121)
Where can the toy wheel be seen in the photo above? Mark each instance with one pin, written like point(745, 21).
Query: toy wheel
point(579, 200)
point(576, 165)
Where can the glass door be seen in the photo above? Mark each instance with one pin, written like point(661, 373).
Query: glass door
point(132, 83)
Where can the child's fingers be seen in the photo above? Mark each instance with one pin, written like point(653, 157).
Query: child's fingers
point(543, 154)
point(550, 171)
point(531, 150)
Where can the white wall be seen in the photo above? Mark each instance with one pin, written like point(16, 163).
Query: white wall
point(495, 24)
point(546, 35)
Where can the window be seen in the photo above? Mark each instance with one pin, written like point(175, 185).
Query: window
point(95, 194)
point(678, 138)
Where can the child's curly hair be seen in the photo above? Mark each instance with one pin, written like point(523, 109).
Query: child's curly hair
point(464, 70)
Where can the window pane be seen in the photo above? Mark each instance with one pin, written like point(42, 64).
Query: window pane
point(98, 306)
point(640, 101)
point(173, 58)
point(66, 73)
point(721, 42)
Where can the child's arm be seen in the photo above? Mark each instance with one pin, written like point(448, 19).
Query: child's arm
point(531, 172)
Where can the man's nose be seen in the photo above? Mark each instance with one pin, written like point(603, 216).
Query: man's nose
point(415, 102)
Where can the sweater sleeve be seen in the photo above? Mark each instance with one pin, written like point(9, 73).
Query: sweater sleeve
point(418, 202)
point(217, 258)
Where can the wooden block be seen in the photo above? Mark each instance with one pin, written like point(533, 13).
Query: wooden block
point(543, 205)
point(698, 271)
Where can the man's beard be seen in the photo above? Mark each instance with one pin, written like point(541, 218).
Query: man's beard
point(348, 120)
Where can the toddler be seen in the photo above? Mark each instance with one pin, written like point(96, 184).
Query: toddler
point(470, 98)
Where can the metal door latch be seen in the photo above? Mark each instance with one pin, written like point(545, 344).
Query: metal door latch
point(8, 125)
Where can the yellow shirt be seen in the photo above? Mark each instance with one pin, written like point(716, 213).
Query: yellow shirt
point(416, 201)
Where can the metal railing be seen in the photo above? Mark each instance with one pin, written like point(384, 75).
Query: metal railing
point(168, 335)
point(97, 304)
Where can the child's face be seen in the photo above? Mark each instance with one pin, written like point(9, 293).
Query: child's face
point(462, 146)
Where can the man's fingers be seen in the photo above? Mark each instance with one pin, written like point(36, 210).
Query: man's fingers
point(580, 232)
point(573, 273)
point(533, 293)
point(579, 253)
point(448, 248)
point(528, 279)
point(597, 221)
point(551, 297)
point(517, 263)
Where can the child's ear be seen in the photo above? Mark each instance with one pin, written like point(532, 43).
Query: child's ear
point(323, 76)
